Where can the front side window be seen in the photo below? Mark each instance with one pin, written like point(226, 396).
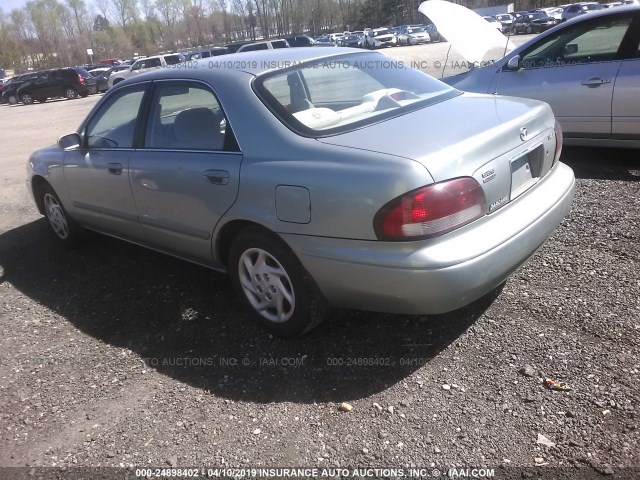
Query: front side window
point(594, 41)
point(185, 116)
point(114, 125)
point(372, 88)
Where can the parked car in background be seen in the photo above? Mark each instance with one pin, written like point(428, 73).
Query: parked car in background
point(324, 41)
point(380, 38)
point(587, 69)
point(544, 22)
point(300, 41)
point(506, 21)
point(355, 40)
point(410, 35)
point(555, 12)
point(144, 65)
point(205, 53)
point(69, 83)
point(577, 9)
point(433, 32)
point(264, 45)
point(493, 22)
point(345, 218)
point(534, 22)
point(111, 61)
point(101, 76)
point(9, 93)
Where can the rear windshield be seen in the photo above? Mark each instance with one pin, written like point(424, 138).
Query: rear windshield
point(173, 59)
point(372, 88)
point(83, 73)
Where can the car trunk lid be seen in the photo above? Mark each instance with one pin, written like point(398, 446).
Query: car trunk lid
point(506, 144)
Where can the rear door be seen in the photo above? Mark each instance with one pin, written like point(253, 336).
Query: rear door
point(186, 176)
point(574, 71)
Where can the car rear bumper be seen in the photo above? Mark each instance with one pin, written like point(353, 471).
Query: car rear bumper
point(444, 273)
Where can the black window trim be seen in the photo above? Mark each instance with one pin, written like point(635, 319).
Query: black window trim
point(230, 143)
point(106, 99)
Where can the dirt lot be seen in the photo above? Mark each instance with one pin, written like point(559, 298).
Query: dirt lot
point(115, 356)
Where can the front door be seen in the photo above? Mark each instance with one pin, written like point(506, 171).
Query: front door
point(97, 174)
point(574, 71)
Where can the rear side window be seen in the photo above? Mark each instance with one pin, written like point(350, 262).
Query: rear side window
point(83, 73)
point(114, 125)
point(186, 116)
point(280, 44)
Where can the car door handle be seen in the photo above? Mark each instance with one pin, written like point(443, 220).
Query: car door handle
point(595, 81)
point(217, 177)
point(115, 168)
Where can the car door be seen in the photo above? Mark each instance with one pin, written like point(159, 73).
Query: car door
point(186, 176)
point(625, 116)
point(574, 71)
point(97, 174)
point(39, 87)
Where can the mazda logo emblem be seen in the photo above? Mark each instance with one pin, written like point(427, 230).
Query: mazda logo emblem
point(523, 134)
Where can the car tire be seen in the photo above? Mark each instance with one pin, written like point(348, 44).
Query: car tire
point(26, 99)
point(529, 30)
point(64, 228)
point(70, 93)
point(273, 286)
point(13, 100)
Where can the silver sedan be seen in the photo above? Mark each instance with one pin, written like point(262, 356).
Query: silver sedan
point(587, 69)
point(312, 197)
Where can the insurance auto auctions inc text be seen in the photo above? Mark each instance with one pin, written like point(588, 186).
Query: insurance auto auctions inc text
point(356, 473)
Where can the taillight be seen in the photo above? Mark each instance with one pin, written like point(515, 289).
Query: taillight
point(431, 211)
point(80, 79)
point(559, 140)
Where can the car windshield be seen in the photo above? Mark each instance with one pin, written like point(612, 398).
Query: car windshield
point(414, 30)
point(372, 88)
point(381, 32)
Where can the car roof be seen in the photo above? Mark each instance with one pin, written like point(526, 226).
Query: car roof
point(254, 62)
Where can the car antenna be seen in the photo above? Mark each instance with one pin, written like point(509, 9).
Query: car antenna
point(506, 46)
point(446, 61)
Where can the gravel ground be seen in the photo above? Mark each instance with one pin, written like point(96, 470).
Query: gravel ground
point(116, 356)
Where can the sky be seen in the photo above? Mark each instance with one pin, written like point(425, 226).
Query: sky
point(8, 5)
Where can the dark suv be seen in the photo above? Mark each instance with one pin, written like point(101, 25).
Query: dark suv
point(9, 94)
point(300, 41)
point(61, 82)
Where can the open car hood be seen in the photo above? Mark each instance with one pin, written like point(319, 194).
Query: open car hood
point(470, 34)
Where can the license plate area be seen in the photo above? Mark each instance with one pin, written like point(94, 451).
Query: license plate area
point(525, 171)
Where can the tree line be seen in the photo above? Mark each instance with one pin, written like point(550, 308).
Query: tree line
point(52, 33)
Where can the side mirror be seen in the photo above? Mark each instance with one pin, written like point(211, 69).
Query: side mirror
point(70, 142)
point(513, 63)
point(570, 49)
